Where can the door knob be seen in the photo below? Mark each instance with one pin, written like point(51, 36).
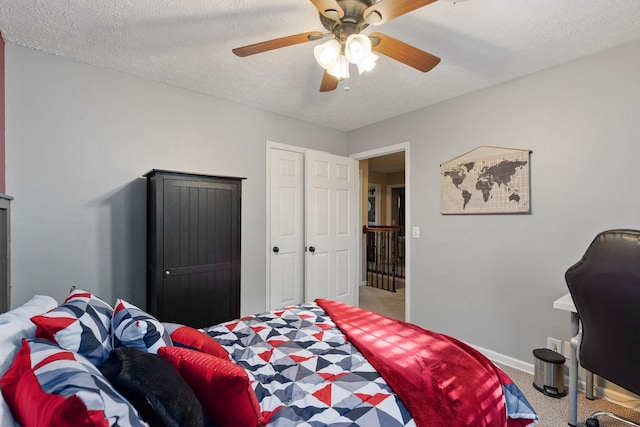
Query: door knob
point(312, 249)
point(276, 250)
point(167, 273)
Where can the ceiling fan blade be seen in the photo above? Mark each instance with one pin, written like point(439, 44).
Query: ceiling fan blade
point(400, 51)
point(252, 49)
point(386, 10)
point(329, 82)
point(329, 8)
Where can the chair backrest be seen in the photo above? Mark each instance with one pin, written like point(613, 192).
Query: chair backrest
point(605, 287)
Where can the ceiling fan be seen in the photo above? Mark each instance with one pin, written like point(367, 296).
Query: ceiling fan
point(345, 19)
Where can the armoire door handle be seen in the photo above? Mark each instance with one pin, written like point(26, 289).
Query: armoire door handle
point(312, 249)
point(276, 250)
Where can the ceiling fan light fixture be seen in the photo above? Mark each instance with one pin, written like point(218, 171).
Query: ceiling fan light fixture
point(332, 14)
point(357, 48)
point(344, 20)
point(340, 68)
point(373, 18)
point(368, 63)
point(327, 53)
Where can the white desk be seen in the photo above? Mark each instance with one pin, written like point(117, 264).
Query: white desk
point(566, 303)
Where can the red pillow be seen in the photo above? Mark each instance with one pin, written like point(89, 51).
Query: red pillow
point(188, 337)
point(223, 388)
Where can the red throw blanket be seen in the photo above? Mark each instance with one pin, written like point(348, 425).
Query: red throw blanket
point(442, 381)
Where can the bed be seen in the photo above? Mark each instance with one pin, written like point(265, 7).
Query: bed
point(83, 362)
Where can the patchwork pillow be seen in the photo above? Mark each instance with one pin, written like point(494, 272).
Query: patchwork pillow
point(47, 385)
point(223, 388)
point(188, 337)
point(154, 387)
point(132, 327)
point(80, 324)
point(15, 325)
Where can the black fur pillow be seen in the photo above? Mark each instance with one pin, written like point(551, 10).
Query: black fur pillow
point(154, 387)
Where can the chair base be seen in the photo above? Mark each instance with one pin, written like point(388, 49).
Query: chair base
point(593, 421)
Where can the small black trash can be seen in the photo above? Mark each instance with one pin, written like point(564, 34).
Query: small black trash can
point(548, 376)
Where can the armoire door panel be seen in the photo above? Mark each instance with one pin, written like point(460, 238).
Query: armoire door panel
point(201, 221)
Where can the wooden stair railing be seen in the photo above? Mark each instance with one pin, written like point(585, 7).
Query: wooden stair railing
point(385, 256)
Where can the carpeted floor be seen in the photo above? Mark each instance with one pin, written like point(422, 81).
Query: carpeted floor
point(553, 412)
point(384, 302)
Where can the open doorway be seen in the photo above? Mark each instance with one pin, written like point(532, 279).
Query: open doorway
point(383, 188)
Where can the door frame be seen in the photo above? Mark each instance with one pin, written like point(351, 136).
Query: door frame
point(390, 149)
point(404, 146)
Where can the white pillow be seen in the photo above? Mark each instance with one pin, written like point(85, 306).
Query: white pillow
point(16, 324)
point(6, 418)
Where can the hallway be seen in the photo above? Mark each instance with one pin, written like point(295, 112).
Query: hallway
point(390, 304)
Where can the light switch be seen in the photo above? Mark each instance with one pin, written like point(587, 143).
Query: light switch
point(415, 232)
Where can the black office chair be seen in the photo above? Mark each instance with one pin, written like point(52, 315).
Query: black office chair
point(605, 287)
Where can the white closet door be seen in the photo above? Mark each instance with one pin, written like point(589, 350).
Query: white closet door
point(287, 228)
point(330, 238)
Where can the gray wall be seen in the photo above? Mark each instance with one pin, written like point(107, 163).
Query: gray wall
point(491, 280)
point(79, 139)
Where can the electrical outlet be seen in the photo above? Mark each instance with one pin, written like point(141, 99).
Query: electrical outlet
point(555, 345)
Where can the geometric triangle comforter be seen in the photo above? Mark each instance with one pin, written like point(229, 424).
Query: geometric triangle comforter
point(306, 372)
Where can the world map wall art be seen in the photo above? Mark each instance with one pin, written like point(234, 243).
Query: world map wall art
point(490, 184)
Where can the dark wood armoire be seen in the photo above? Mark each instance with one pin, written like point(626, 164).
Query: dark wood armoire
point(193, 247)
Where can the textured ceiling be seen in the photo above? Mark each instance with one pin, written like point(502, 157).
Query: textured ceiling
point(187, 43)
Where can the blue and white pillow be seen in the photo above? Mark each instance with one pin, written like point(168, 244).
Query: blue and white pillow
point(47, 385)
point(80, 324)
point(133, 327)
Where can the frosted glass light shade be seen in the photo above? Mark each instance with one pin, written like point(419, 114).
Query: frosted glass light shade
point(368, 63)
point(326, 53)
point(340, 68)
point(357, 48)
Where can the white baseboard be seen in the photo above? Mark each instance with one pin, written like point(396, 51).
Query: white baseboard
point(618, 396)
point(505, 360)
point(615, 395)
